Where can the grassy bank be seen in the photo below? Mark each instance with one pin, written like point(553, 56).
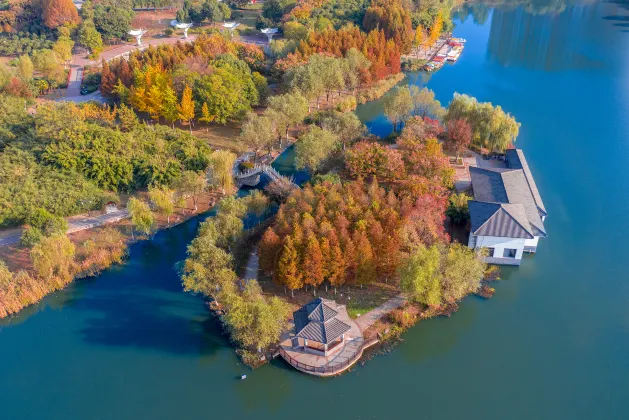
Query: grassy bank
point(378, 89)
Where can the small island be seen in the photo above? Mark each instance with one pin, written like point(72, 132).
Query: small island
point(362, 238)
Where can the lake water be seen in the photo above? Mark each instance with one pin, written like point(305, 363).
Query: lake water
point(552, 344)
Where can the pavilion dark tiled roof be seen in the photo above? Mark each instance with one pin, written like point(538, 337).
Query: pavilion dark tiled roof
point(317, 321)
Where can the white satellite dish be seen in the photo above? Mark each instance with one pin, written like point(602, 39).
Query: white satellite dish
point(137, 33)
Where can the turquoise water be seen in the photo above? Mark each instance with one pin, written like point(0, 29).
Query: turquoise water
point(552, 344)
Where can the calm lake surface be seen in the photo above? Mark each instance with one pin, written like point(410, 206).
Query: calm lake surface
point(552, 344)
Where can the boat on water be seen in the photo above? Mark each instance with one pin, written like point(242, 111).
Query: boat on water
point(458, 40)
point(454, 54)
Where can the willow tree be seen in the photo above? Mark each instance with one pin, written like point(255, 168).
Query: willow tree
point(421, 277)
point(141, 216)
point(398, 106)
point(287, 110)
point(220, 173)
point(163, 200)
point(425, 104)
point(257, 133)
point(314, 147)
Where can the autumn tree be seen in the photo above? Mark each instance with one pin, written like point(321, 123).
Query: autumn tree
point(394, 19)
point(435, 30)
point(313, 263)
point(370, 159)
point(169, 106)
point(289, 271)
point(269, 251)
point(459, 136)
point(56, 13)
point(25, 68)
point(186, 107)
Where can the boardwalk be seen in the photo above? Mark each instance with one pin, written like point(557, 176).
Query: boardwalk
point(367, 320)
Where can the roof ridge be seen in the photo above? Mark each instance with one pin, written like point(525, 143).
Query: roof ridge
point(490, 217)
point(502, 206)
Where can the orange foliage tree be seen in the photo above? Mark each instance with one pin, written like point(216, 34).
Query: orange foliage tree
point(59, 12)
point(393, 19)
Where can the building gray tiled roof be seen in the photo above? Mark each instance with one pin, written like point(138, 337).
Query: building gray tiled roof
point(504, 204)
point(317, 321)
point(516, 160)
point(501, 220)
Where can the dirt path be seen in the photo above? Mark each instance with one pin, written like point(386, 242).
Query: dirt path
point(367, 320)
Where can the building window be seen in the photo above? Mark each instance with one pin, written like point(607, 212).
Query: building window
point(509, 253)
point(490, 252)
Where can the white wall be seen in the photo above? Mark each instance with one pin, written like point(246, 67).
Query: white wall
point(499, 244)
point(531, 242)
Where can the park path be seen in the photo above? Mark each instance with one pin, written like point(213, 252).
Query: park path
point(253, 265)
point(367, 320)
point(75, 224)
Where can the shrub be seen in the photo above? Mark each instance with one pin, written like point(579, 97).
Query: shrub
point(168, 32)
point(346, 104)
point(458, 210)
point(402, 318)
point(31, 237)
point(413, 64)
point(243, 166)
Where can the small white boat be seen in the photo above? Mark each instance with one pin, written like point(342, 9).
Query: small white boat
point(454, 54)
point(459, 40)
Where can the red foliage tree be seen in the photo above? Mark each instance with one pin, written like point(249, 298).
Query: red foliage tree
point(368, 159)
point(269, 250)
point(459, 136)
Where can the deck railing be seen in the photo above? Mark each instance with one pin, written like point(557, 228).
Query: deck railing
point(323, 369)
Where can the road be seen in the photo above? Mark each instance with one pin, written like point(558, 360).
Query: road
point(77, 223)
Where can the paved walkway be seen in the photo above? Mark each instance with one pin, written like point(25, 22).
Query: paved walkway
point(75, 224)
point(367, 320)
point(253, 266)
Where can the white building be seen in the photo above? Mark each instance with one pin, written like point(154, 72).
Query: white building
point(507, 214)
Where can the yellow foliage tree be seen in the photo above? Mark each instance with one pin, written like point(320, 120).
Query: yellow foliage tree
point(186, 107)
